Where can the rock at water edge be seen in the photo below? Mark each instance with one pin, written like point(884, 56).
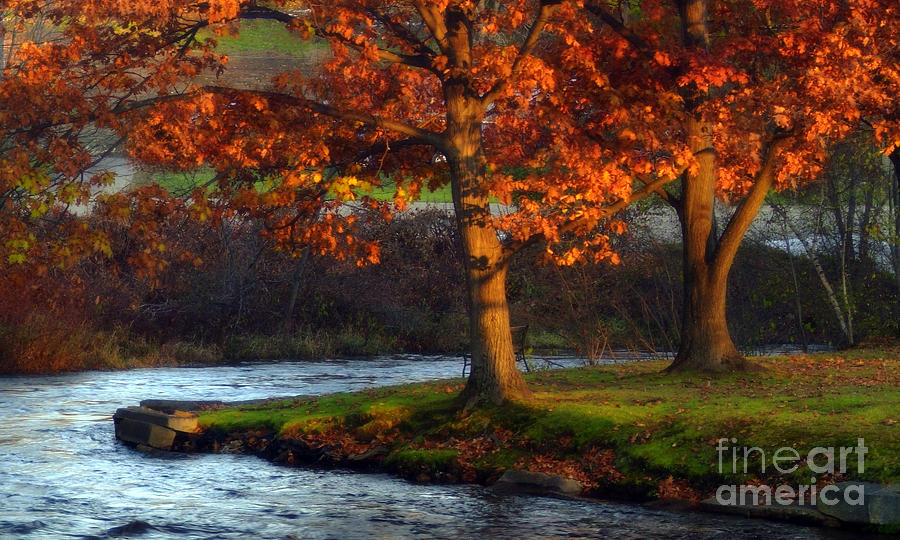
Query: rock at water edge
point(179, 421)
point(515, 481)
point(143, 433)
point(850, 503)
point(884, 506)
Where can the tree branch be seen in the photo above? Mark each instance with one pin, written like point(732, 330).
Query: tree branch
point(254, 11)
point(403, 33)
point(525, 49)
point(379, 148)
point(649, 188)
point(432, 18)
point(627, 34)
point(429, 137)
point(748, 208)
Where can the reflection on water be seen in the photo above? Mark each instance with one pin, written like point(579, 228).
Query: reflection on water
point(63, 475)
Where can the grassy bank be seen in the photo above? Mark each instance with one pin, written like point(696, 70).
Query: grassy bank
point(41, 350)
point(38, 347)
point(625, 430)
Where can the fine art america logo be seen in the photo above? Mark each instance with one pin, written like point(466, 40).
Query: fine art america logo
point(785, 460)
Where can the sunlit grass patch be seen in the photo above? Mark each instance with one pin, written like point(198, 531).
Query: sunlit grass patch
point(265, 37)
point(390, 407)
point(183, 182)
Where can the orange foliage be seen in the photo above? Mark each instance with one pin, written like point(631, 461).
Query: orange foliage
point(70, 69)
point(678, 489)
point(572, 119)
point(809, 69)
point(569, 113)
point(573, 122)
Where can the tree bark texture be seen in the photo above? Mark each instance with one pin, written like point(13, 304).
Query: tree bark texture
point(706, 344)
point(494, 377)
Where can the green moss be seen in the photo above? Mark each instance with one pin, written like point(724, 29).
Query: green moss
point(500, 460)
point(386, 407)
point(427, 460)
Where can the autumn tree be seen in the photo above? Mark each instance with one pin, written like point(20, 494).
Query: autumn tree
point(563, 116)
point(883, 119)
point(69, 71)
point(472, 94)
point(757, 90)
point(43, 114)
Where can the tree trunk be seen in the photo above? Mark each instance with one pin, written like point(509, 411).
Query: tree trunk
point(895, 207)
point(706, 344)
point(296, 279)
point(865, 221)
point(494, 377)
point(834, 197)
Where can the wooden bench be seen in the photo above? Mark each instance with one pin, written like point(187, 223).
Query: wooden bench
point(519, 334)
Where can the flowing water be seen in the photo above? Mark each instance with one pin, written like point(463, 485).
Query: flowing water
point(63, 474)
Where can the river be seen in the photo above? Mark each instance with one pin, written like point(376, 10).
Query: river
point(63, 474)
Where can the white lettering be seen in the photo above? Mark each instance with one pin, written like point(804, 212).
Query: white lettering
point(823, 495)
point(730, 491)
point(819, 469)
point(860, 490)
point(845, 451)
point(720, 448)
point(861, 451)
point(784, 494)
point(776, 457)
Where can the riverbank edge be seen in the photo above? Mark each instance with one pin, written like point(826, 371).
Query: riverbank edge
point(293, 453)
point(371, 442)
point(100, 350)
point(269, 446)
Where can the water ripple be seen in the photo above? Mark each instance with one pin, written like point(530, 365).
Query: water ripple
point(63, 475)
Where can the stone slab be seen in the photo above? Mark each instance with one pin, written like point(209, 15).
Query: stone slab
point(142, 433)
point(795, 513)
point(836, 505)
point(884, 506)
point(169, 406)
point(516, 481)
point(178, 421)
